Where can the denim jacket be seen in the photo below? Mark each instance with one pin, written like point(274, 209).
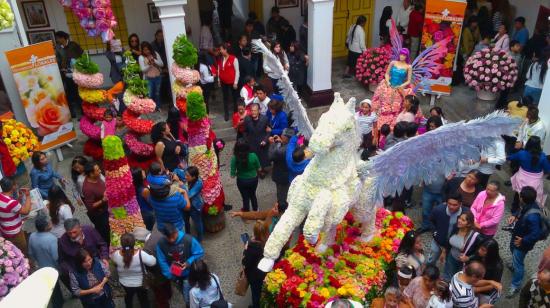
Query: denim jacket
point(195, 196)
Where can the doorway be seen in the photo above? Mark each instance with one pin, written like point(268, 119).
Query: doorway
point(345, 14)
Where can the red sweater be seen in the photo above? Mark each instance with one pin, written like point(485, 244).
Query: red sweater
point(416, 21)
point(8, 167)
point(227, 72)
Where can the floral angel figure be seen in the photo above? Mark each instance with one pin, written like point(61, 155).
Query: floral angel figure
point(403, 78)
point(337, 181)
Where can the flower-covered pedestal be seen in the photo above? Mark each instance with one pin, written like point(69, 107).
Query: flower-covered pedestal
point(490, 71)
point(14, 267)
point(350, 268)
point(190, 102)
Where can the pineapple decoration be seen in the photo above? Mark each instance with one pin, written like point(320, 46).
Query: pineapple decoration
point(190, 102)
point(95, 101)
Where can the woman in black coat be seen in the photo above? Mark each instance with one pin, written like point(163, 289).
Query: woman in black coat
point(297, 61)
point(253, 253)
point(256, 133)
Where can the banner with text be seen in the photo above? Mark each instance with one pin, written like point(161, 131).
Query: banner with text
point(41, 90)
point(443, 19)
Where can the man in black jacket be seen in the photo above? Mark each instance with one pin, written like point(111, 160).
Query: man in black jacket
point(277, 154)
point(443, 218)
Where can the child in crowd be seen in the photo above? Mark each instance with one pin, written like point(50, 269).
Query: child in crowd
point(366, 120)
point(441, 297)
point(385, 130)
point(392, 298)
point(238, 118)
point(194, 184)
point(108, 125)
point(484, 43)
point(247, 91)
point(43, 175)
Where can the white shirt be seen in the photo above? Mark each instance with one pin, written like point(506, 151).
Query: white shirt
point(436, 302)
point(263, 104)
point(533, 76)
point(132, 276)
point(357, 42)
point(63, 213)
point(145, 66)
point(206, 74)
point(203, 298)
point(462, 293)
point(365, 122)
point(244, 95)
point(403, 16)
point(495, 154)
point(527, 130)
point(503, 43)
point(236, 66)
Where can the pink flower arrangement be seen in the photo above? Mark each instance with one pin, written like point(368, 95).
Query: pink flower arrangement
point(96, 17)
point(93, 111)
point(142, 105)
point(372, 64)
point(490, 70)
point(92, 81)
point(185, 76)
point(89, 129)
point(14, 267)
point(136, 146)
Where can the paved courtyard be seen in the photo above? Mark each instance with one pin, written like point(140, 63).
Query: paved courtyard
point(223, 250)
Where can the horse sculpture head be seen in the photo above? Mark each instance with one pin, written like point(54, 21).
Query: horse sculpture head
point(336, 127)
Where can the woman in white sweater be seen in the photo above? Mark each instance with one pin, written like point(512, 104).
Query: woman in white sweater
point(129, 262)
point(356, 45)
point(151, 65)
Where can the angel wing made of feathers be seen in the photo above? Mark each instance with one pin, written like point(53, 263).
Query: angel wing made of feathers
point(299, 114)
point(426, 157)
point(425, 65)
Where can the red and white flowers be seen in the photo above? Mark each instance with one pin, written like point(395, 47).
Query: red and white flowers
point(490, 70)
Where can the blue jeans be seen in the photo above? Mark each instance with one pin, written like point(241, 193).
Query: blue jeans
point(535, 94)
point(186, 287)
point(452, 266)
point(428, 201)
point(154, 89)
point(435, 252)
point(196, 216)
point(518, 258)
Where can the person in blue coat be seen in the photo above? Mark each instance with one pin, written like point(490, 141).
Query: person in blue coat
point(525, 233)
point(194, 189)
point(277, 118)
point(43, 175)
point(176, 251)
point(295, 158)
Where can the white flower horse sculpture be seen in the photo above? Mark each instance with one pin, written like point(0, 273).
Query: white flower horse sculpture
point(328, 187)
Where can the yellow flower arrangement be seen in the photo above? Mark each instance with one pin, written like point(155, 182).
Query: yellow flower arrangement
point(92, 96)
point(19, 139)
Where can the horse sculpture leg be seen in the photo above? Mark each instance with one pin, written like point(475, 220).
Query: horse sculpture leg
point(316, 218)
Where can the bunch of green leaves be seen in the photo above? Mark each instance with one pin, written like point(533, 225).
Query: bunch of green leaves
point(185, 54)
point(85, 65)
point(112, 148)
point(138, 86)
point(196, 108)
point(131, 69)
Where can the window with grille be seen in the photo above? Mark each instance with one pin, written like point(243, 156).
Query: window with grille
point(94, 45)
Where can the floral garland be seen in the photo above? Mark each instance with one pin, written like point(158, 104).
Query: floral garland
point(93, 81)
point(184, 75)
point(182, 90)
point(136, 146)
point(89, 129)
point(124, 213)
point(490, 70)
point(93, 111)
point(14, 267)
point(350, 268)
point(6, 15)
point(135, 124)
point(95, 16)
point(372, 64)
point(19, 139)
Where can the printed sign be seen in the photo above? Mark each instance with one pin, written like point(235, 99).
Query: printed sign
point(41, 90)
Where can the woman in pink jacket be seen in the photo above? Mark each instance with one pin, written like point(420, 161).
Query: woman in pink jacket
point(488, 209)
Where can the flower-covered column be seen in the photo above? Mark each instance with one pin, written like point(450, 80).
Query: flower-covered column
point(190, 102)
point(124, 213)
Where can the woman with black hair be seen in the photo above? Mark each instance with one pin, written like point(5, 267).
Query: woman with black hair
point(437, 111)
point(89, 281)
point(468, 187)
point(384, 24)
point(77, 171)
point(433, 122)
point(533, 163)
point(60, 209)
point(142, 196)
point(177, 126)
point(43, 175)
point(135, 47)
point(462, 245)
point(410, 109)
point(410, 252)
point(488, 255)
point(417, 294)
point(207, 76)
point(167, 149)
point(536, 75)
point(355, 42)
point(245, 165)
point(205, 286)
point(93, 195)
point(151, 65)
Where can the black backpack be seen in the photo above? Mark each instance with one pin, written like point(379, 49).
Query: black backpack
point(221, 302)
point(544, 223)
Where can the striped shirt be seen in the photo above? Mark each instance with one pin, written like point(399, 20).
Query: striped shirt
point(365, 122)
point(10, 220)
point(462, 293)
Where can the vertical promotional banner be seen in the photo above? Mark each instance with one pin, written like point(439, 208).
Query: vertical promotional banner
point(41, 90)
point(443, 19)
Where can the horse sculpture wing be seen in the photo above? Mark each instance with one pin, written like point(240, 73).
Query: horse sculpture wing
point(426, 64)
point(424, 158)
point(301, 120)
point(396, 41)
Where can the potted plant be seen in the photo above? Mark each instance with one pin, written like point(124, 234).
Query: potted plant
point(372, 65)
point(490, 71)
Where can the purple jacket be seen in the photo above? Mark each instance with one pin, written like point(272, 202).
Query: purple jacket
point(93, 243)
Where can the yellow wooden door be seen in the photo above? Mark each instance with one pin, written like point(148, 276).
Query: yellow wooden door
point(345, 15)
point(257, 7)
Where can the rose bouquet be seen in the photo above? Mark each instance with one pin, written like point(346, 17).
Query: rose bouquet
point(372, 65)
point(437, 30)
point(95, 16)
point(93, 111)
point(350, 268)
point(14, 267)
point(490, 70)
point(19, 139)
point(6, 15)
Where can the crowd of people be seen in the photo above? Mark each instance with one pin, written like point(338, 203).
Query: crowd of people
point(462, 210)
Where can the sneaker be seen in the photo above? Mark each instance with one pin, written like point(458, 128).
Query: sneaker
point(512, 292)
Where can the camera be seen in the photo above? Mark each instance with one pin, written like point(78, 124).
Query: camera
point(509, 227)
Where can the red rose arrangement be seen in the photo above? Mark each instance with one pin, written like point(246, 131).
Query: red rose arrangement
point(135, 124)
point(93, 111)
point(372, 65)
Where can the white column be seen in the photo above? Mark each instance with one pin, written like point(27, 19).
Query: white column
point(544, 111)
point(319, 41)
point(172, 17)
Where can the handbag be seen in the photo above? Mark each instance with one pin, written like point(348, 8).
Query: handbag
point(147, 277)
point(220, 303)
point(242, 284)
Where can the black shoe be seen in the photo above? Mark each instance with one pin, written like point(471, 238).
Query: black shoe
point(227, 207)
